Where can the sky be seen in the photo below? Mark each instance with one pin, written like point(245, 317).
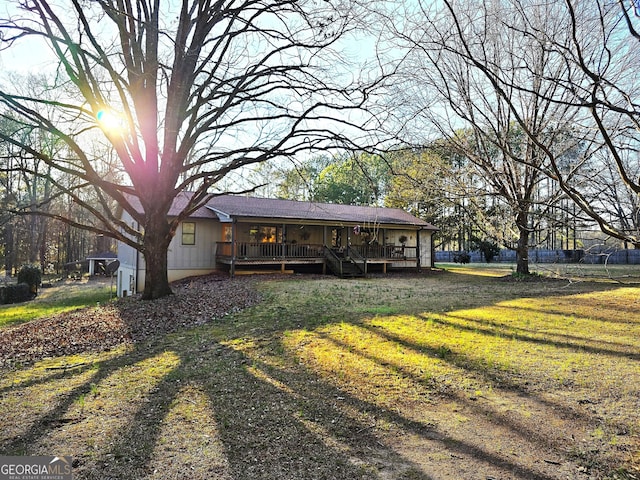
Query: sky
point(23, 57)
point(36, 56)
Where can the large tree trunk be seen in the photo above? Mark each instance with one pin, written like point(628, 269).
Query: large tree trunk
point(522, 249)
point(156, 246)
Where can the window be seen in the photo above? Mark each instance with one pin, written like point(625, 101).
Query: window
point(336, 237)
point(188, 233)
point(264, 234)
point(227, 231)
point(268, 234)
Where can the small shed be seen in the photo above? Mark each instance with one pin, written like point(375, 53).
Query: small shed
point(98, 262)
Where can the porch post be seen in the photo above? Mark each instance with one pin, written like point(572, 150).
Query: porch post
point(283, 245)
point(324, 245)
point(232, 269)
point(283, 248)
point(433, 250)
point(418, 240)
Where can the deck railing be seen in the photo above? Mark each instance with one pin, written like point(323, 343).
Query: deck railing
point(249, 250)
point(246, 250)
point(358, 260)
point(333, 261)
point(393, 252)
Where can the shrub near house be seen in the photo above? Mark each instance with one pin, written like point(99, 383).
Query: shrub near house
point(15, 293)
point(31, 275)
point(29, 279)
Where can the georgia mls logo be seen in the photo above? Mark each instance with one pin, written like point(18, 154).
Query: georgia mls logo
point(35, 468)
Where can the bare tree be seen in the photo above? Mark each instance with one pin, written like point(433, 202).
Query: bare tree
point(197, 88)
point(590, 56)
point(24, 186)
point(447, 92)
point(603, 52)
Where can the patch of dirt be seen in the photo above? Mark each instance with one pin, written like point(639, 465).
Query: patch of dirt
point(195, 301)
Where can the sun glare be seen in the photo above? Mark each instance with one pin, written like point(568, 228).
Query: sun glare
point(110, 121)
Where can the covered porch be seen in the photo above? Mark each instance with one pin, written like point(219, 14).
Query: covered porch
point(284, 256)
point(304, 236)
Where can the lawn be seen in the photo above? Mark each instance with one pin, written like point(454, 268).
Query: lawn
point(65, 296)
point(460, 374)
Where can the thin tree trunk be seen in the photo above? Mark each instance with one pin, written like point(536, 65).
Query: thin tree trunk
point(9, 249)
point(42, 244)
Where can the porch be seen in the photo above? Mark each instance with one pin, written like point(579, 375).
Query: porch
point(284, 255)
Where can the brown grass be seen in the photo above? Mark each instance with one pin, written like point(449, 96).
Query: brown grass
point(446, 375)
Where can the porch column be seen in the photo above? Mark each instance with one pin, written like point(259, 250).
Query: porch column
point(418, 263)
point(383, 232)
point(283, 245)
point(232, 268)
point(324, 244)
point(433, 250)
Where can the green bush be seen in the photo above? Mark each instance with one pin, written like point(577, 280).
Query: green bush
point(462, 257)
point(15, 293)
point(489, 250)
point(32, 276)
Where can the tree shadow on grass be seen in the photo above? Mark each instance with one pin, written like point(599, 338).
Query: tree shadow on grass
point(271, 420)
point(277, 422)
point(57, 415)
point(558, 420)
point(427, 436)
point(563, 341)
point(265, 432)
point(273, 423)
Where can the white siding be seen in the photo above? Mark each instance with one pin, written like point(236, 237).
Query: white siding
point(200, 256)
point(129, 259)
point(182, 260)
point(425, 248)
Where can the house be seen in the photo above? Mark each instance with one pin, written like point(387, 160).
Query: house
point(239, 233)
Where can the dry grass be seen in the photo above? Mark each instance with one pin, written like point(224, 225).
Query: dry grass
point(450, 375)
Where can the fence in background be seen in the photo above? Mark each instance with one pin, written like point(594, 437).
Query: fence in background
point(591, 256)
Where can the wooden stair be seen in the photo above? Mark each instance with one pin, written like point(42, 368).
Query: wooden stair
point(345, 267)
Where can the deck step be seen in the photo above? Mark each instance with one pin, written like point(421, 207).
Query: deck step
point(349, 270)
point(262, 272)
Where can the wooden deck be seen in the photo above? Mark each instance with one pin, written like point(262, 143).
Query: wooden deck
point(288, 255)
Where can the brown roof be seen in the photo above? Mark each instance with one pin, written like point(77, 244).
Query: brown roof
point(179, 203)
point(236, 206)
point(251, 207)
